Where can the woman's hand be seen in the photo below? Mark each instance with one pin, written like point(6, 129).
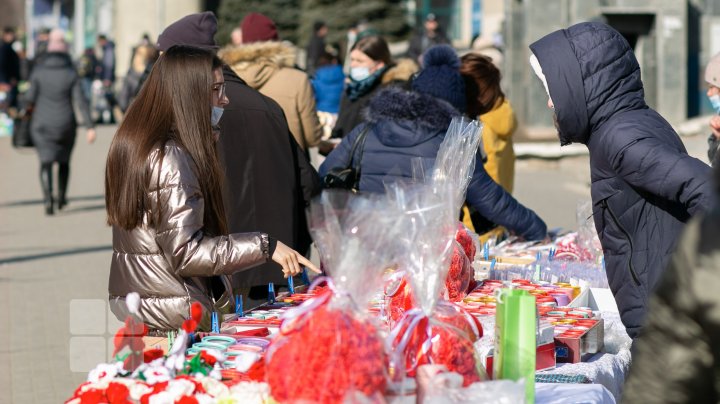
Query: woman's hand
point(291, 261)
point(91, 135)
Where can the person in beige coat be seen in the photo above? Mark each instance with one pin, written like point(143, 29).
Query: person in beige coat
point(164, 201)
point(268, 65)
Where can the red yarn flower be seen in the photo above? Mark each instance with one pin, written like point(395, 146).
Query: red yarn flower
point(152, 354)
point(399, 299)
point(117, 393)
point(92, 396)
point(459, 274)
point(196, 311)
point(207, 358)
point(187, 400)
point(328, 355)
point(466, 241)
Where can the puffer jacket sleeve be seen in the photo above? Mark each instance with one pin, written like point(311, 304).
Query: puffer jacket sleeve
point(498, 206)
point(311, 127)
point(648, 164)
point(674, 360)
point(340, 156)
point(179, 231)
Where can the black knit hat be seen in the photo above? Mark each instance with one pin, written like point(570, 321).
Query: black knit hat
point(440, 76)
point(193, 30)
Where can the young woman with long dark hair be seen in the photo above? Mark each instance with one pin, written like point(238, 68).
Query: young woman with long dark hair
point(163, 194)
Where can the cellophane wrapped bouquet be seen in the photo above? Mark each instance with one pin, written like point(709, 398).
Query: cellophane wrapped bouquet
point(453, 170)
point(328, 349)
point(436, 331)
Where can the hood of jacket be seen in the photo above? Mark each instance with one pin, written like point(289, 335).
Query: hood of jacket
point(407, 118)
point(257, 62)
point(56, 60)
point(403, 70)
point(592, 74)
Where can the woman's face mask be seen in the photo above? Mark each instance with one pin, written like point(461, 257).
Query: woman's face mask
point(715, 101)
point(216, 115)
point(359, 73)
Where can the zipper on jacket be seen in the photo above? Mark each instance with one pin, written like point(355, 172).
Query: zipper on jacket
point(634, 275)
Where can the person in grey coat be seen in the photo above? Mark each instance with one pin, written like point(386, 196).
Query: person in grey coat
point(54, 87)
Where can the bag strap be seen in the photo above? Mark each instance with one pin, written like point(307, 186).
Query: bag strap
point(359, 139)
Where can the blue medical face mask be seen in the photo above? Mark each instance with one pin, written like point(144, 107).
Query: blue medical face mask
point(359, 73)
point(216, 115)
point(715, 101)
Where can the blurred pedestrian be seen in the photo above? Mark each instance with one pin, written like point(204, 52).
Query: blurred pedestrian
point(107, 75)
point(371, 68)
point(269, 180)
point(403, 126)
point(88, 69)
point(236, 37)
point(41, 43)
point(645, 186)
point(431, 34)
point(489, 46)
point(54, 90)
point(142, 56)
point(328, 84)
point(712, 78)
point(9, 70)
point(268, 65)
point(163, 185)
point(316, 47)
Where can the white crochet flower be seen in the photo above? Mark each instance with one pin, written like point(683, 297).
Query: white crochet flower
point(156, 374)
point(180, 387)
point(102, 373)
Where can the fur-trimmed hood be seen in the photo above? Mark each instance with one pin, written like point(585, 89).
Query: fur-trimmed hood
point(257, 62)
point(407, 118)
point(402, 71)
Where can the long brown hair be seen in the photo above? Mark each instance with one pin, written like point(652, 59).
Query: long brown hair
point(174, 104)
point(482, 84)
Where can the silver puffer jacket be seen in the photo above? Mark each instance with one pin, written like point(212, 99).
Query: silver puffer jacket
point(169, 265)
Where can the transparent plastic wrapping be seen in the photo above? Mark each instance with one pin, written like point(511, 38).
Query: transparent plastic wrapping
point(438, 333)
point(455, 161)
point(328, 349)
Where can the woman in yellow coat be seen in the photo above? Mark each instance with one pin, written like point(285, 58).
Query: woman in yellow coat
point(486, 102)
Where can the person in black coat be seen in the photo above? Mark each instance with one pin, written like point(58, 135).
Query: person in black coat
point(268, 179)
point(431, 35)
point(645, 186)
point(406, 125)
point(54, 87)
point(316, 47)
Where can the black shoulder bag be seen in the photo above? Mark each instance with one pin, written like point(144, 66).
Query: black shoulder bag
point(348, 177)
point(21, 130)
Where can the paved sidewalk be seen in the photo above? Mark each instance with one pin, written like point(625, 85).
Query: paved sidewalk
point(47, 264)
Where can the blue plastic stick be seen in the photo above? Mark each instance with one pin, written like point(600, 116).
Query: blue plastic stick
point(215, 323)
point(486, 251)
point(271, 293)
point(305, 278)
point(291, 285)
point(238, 305)
point(492, 264)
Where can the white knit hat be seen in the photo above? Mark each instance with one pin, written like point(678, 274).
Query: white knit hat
point(538, 72)
point(712, 71)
